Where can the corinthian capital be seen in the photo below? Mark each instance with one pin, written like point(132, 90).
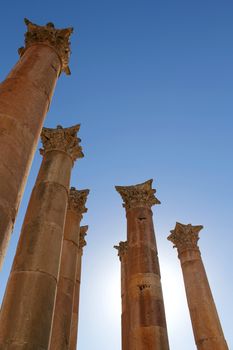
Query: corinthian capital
point(77, 200)
point(62, 139)
point(141, 195)
point(185, 236)
point(122, 249)
point(83, 233)
point(58, 39)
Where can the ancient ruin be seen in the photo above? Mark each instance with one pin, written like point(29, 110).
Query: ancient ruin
point(27, 310)
point(70, 262)
point(143, 314)
point(205, 321)
point(75, 313)
point(42, 59)
point(40, 309)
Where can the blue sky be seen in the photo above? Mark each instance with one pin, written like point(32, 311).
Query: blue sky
point(152, 86)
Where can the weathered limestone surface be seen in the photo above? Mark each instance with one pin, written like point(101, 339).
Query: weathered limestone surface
point(25, 96)
point(75, 313)
point(206, 325)
point(65, 290)
point(147, 323)
point(27, 309)
point(122, 253)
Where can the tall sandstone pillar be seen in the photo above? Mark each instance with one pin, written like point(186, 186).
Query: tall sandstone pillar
point(206, 325)
point(147, 323)
point(27, 309)
point(75, 314)
point(65, 290)
point(122, 253)
point(25, 96)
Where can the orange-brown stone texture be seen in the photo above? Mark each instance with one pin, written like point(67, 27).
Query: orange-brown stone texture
point(145, 306)
point(28, 305)
point(122, 253)
point(75, 313)
point(62, 318)
point(206, 325)
point(25, 96)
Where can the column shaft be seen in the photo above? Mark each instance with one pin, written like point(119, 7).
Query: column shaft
point(27, 309)
point(76, 296)
point(124, 298)
point(25, 96)
point(206, 325)
point(122, 253)
point(66, 284)
point(75, 311)
point(145, 307)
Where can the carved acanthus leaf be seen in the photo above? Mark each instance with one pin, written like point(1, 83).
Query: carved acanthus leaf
point(122, 249)
point(141, 195)
point(185, 236)
point(62, 139)
point(83, 233)
point(58, 39)
point(77, 200)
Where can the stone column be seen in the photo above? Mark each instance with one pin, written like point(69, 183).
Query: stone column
point(122, 253)
point(65, 290)
point(147, 323)
point(207, 329)
point(74, 324)
point(27, 309)
point(25, 96)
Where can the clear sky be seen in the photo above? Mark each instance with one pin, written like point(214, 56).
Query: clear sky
point(152, 86)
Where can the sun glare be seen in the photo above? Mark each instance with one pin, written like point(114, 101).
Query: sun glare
point(112, 296)
point(174, 295)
